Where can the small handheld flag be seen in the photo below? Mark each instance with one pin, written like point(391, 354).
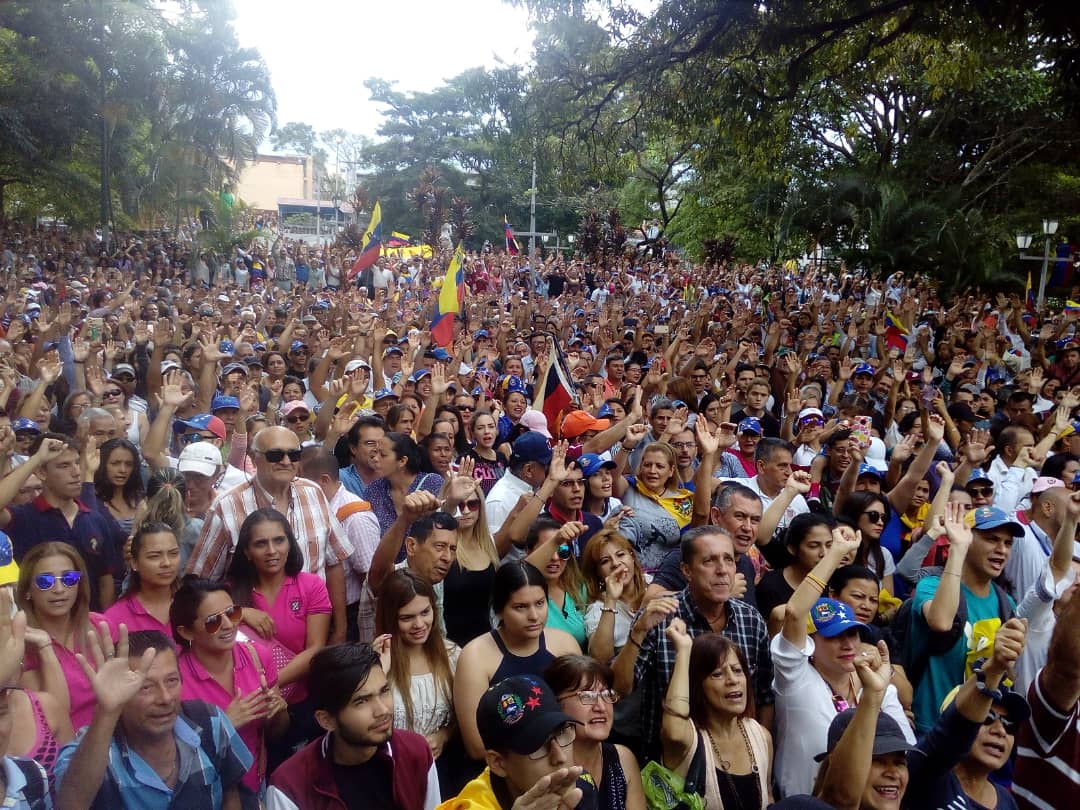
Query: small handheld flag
point(371, 246)
point(512, 246)
point(448, 303)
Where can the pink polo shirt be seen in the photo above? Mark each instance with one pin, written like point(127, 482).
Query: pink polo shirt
point(130, 611)
point(198, 684)
point(80, 691)
point(299, 597)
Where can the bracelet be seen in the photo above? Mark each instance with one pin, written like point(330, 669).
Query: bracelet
point(668, 710)
point(630, 640)
point(950, 574)
point(612, 611)
point(817, 581)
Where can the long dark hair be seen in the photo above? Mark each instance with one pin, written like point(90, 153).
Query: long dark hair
point(404, 447)
point(149, 527)
point(132, 491)
point(869, 553)
point(184, 610)
point(242, 575)
point(511, 577)
point(460, 440)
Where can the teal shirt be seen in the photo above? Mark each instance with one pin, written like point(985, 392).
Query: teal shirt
point(943, 672)
point(569, 617)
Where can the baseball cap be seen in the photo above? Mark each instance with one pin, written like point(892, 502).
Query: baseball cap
point(831, 617)
point(231, 367)
point(534, 420)
point(253, 361)
point(384, 393)
point(990, 517)
point(123, 368)
point(392, 350)
point(1045, 482)
point(22, 423)
point(227, 347)
point(201, 457)
point(577, 422)
point(870, 469)
point(353, 365)
point(978, 474)
point(807, 413)
point(888, 738)
point(221, 401)
point(481, 333)
point(9, 569)
point(201, 421)
point(605, 412)
point(169, 365)
point(296, 345)
point(295, 405)
point(419, 374)
point(519, 714)
point(531, 446)
point(590, 464)
point(864, 368)
point(442, 355)
point(750, 424)
point(512, 384)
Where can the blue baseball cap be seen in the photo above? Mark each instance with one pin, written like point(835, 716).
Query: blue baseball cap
point(419, 374)
point(978, 475)
point(605, 412)
point(231, 367)
point(864, 368)
point(383, 393)
point(869, 469)
point(221, 401)
point(392, 350)
point(990, 517)
point(590, 464)
point(831, 617)
point(22, 423)
point(201, 421)
point(750, 424)
point(297, 345)
point(481, 333)
point(531, 446)
point(227, 347)
point(442, 355)
point(513, 384)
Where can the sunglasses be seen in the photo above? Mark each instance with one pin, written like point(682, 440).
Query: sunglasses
point(465, 409)
point(811, 421)
point(212, 623)
point(46, 582)
point(471, 505)
point(874, 516)
point(980, 492)
point(294, 419)
point(191, 438)
point(277, 455)
point(993, 716)
point(113, 392)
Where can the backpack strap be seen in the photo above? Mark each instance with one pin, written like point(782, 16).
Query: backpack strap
point(37, 787)
point(352, 508)
point(695, 773)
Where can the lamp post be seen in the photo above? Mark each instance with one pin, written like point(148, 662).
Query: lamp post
point(1023, 242)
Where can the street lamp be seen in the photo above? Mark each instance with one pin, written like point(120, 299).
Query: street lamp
point(1023, 242)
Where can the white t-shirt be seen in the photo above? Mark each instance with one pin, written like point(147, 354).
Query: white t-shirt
point(798, 505)
point(804, 710)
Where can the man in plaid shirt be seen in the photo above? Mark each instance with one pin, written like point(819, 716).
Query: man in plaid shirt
point(647, 660)
point(276, 453)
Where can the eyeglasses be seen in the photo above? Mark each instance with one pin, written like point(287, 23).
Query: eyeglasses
point(113, 392)
point(590, 697)
point(277, 455)
point(472, 505)
point(573, 484)
point(191, 438)
point(684, 445)
point(874, 516)
point(993, 716)
point(980, 492)
point(563, 737)
point(294, 419)
point(46, 582)
point(233, 613)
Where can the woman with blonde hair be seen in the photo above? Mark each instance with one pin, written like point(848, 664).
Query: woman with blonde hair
point(54, 592)
point(615, 586)
point(550, 548)
point(662, 507)
point(473, 569)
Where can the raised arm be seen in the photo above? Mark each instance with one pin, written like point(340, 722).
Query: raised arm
point(677, 730)
point(900, 495)
point(845, 541)
point(940, 611)
point(416, 505)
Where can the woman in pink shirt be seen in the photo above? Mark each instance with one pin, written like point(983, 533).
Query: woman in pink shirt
point(54, 590)
point(219, 667)
point(155, 562)
point(287, 607)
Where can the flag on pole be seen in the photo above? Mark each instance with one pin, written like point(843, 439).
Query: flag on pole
point(1029, 295)
point(1072, 307)
point(555, 394)
point(896, 334)
point(371, 246)
point(448, 301)
point(892, 322)
point(512, 246)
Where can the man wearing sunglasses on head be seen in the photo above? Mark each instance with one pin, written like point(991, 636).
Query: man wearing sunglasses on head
point(275, 452)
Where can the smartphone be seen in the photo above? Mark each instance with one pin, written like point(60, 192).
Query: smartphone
point(929, 394)
point(661, 329)
point(860, 433)
point(96, 325)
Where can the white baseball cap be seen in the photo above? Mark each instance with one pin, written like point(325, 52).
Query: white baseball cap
point(203, 458)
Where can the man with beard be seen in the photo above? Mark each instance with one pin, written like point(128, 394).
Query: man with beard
point(362, 761)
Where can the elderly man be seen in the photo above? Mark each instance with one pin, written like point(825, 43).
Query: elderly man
point(275, 452)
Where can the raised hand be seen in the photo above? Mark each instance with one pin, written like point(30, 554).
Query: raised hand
point(13, 636)
point(91, 457)
point(1009, 643)
point(976, 449)
point(678, 635)
point(172, 393)
point(846, 542)
point(709, 444)
point(50, 449)
point(874, 671)
point(381, 645)
point(658, 608)
point(115, 683)
point(439, 383)
point(799, 482)
point(956, 526)
point(935, 429)
point(419, 503)
point(556, 791)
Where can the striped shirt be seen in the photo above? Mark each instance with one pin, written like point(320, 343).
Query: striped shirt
point(1047, 775)
point(321, 538)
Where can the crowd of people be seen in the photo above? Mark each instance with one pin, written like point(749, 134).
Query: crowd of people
point(802, 537)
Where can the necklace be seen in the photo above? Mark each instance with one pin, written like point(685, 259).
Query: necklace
point(724, 767)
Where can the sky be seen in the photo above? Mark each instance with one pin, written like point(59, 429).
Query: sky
point(319, 52)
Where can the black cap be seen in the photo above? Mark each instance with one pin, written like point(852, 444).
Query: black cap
point(519, 714)
point(888, 738)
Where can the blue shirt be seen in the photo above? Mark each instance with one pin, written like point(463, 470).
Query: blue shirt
point(132, 784)
point(97, 537)
point(20, 794)
point(351, 480)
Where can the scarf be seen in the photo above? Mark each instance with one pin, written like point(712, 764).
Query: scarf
point(680, 506)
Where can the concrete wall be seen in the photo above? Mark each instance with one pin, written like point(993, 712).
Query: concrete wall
point(271, 176)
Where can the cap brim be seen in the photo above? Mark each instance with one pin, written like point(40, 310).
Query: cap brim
point(835, 629)
point(540, 732)
point(1014, 528)
point(200, 467)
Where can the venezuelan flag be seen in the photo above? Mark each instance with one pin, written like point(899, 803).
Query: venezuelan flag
point(512, 246)
point(449, 300)
point(892, 322)
point(1029, 295)
point(372, 244)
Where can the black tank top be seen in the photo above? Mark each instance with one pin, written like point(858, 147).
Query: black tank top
point(466, 616)
point(511, 664)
